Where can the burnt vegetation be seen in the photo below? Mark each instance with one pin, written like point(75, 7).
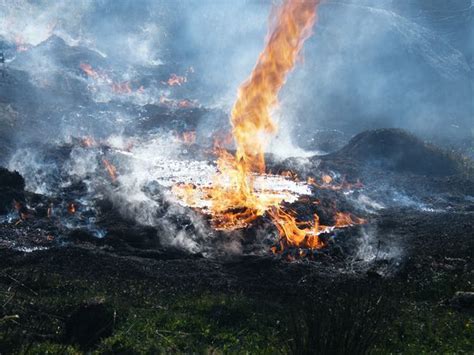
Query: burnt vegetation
point(129, 292)
point(98, 255)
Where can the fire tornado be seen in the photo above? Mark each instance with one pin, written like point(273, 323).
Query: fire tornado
point(251, 115)
point(242, 191)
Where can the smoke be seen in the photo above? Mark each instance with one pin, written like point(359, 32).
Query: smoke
point(369, 64)
point(29, 23)
point(371, 248)
point(373, 66)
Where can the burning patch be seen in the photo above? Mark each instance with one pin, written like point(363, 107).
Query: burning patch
point(240, 191)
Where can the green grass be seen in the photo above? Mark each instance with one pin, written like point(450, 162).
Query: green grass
point(144, 318)
point(201, 324)
point(423, 329)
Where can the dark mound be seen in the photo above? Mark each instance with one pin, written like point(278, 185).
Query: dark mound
point(12, 187)
point(396, 149)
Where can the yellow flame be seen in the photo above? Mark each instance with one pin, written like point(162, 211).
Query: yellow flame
point(234, 201)
point(251, 114)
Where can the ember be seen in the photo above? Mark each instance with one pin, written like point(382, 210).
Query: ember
point(71, 208)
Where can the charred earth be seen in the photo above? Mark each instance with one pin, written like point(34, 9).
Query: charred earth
point(66, 288)
point(141, 213)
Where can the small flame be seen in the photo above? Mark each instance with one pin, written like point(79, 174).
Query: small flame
point(298, 234)
point(122, 88)
point(88, 142)
point(172, 103)
point(290, 174)
point(71, 208)
point(327, 183)
point(189, 137)
point(326, 179)
point(185, 103)
point(50, 211)
point(344, 219)
point(111, 169)
point(87, 68)
point(176, 80)
point(102, 78)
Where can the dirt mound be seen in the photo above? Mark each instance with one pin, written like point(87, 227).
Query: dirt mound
point(396, 149)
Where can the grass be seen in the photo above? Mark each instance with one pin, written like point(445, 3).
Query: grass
point(135, 316)
point(424, 329)
point(205, 324)
point(139, 318)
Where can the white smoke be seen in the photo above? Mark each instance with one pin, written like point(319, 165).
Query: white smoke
point(371, 248)
point(31, 22)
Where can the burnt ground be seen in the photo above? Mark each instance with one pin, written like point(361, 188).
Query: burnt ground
point(129, 293)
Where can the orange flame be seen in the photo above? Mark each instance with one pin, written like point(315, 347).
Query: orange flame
point(21, 209)
point(122, 88)
point(189, 137)
point(87, 68)
point(344, 219)
point(327, 183)
point(88, 142)
point(50, 210)
point(172, 103)
point(251, 115)
point(176, 80)
point(102, 78)
point(298, 234)
point(233, 197)
point(326, 179)
point(234, 200)
point(111, 169)
point(71, 208)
